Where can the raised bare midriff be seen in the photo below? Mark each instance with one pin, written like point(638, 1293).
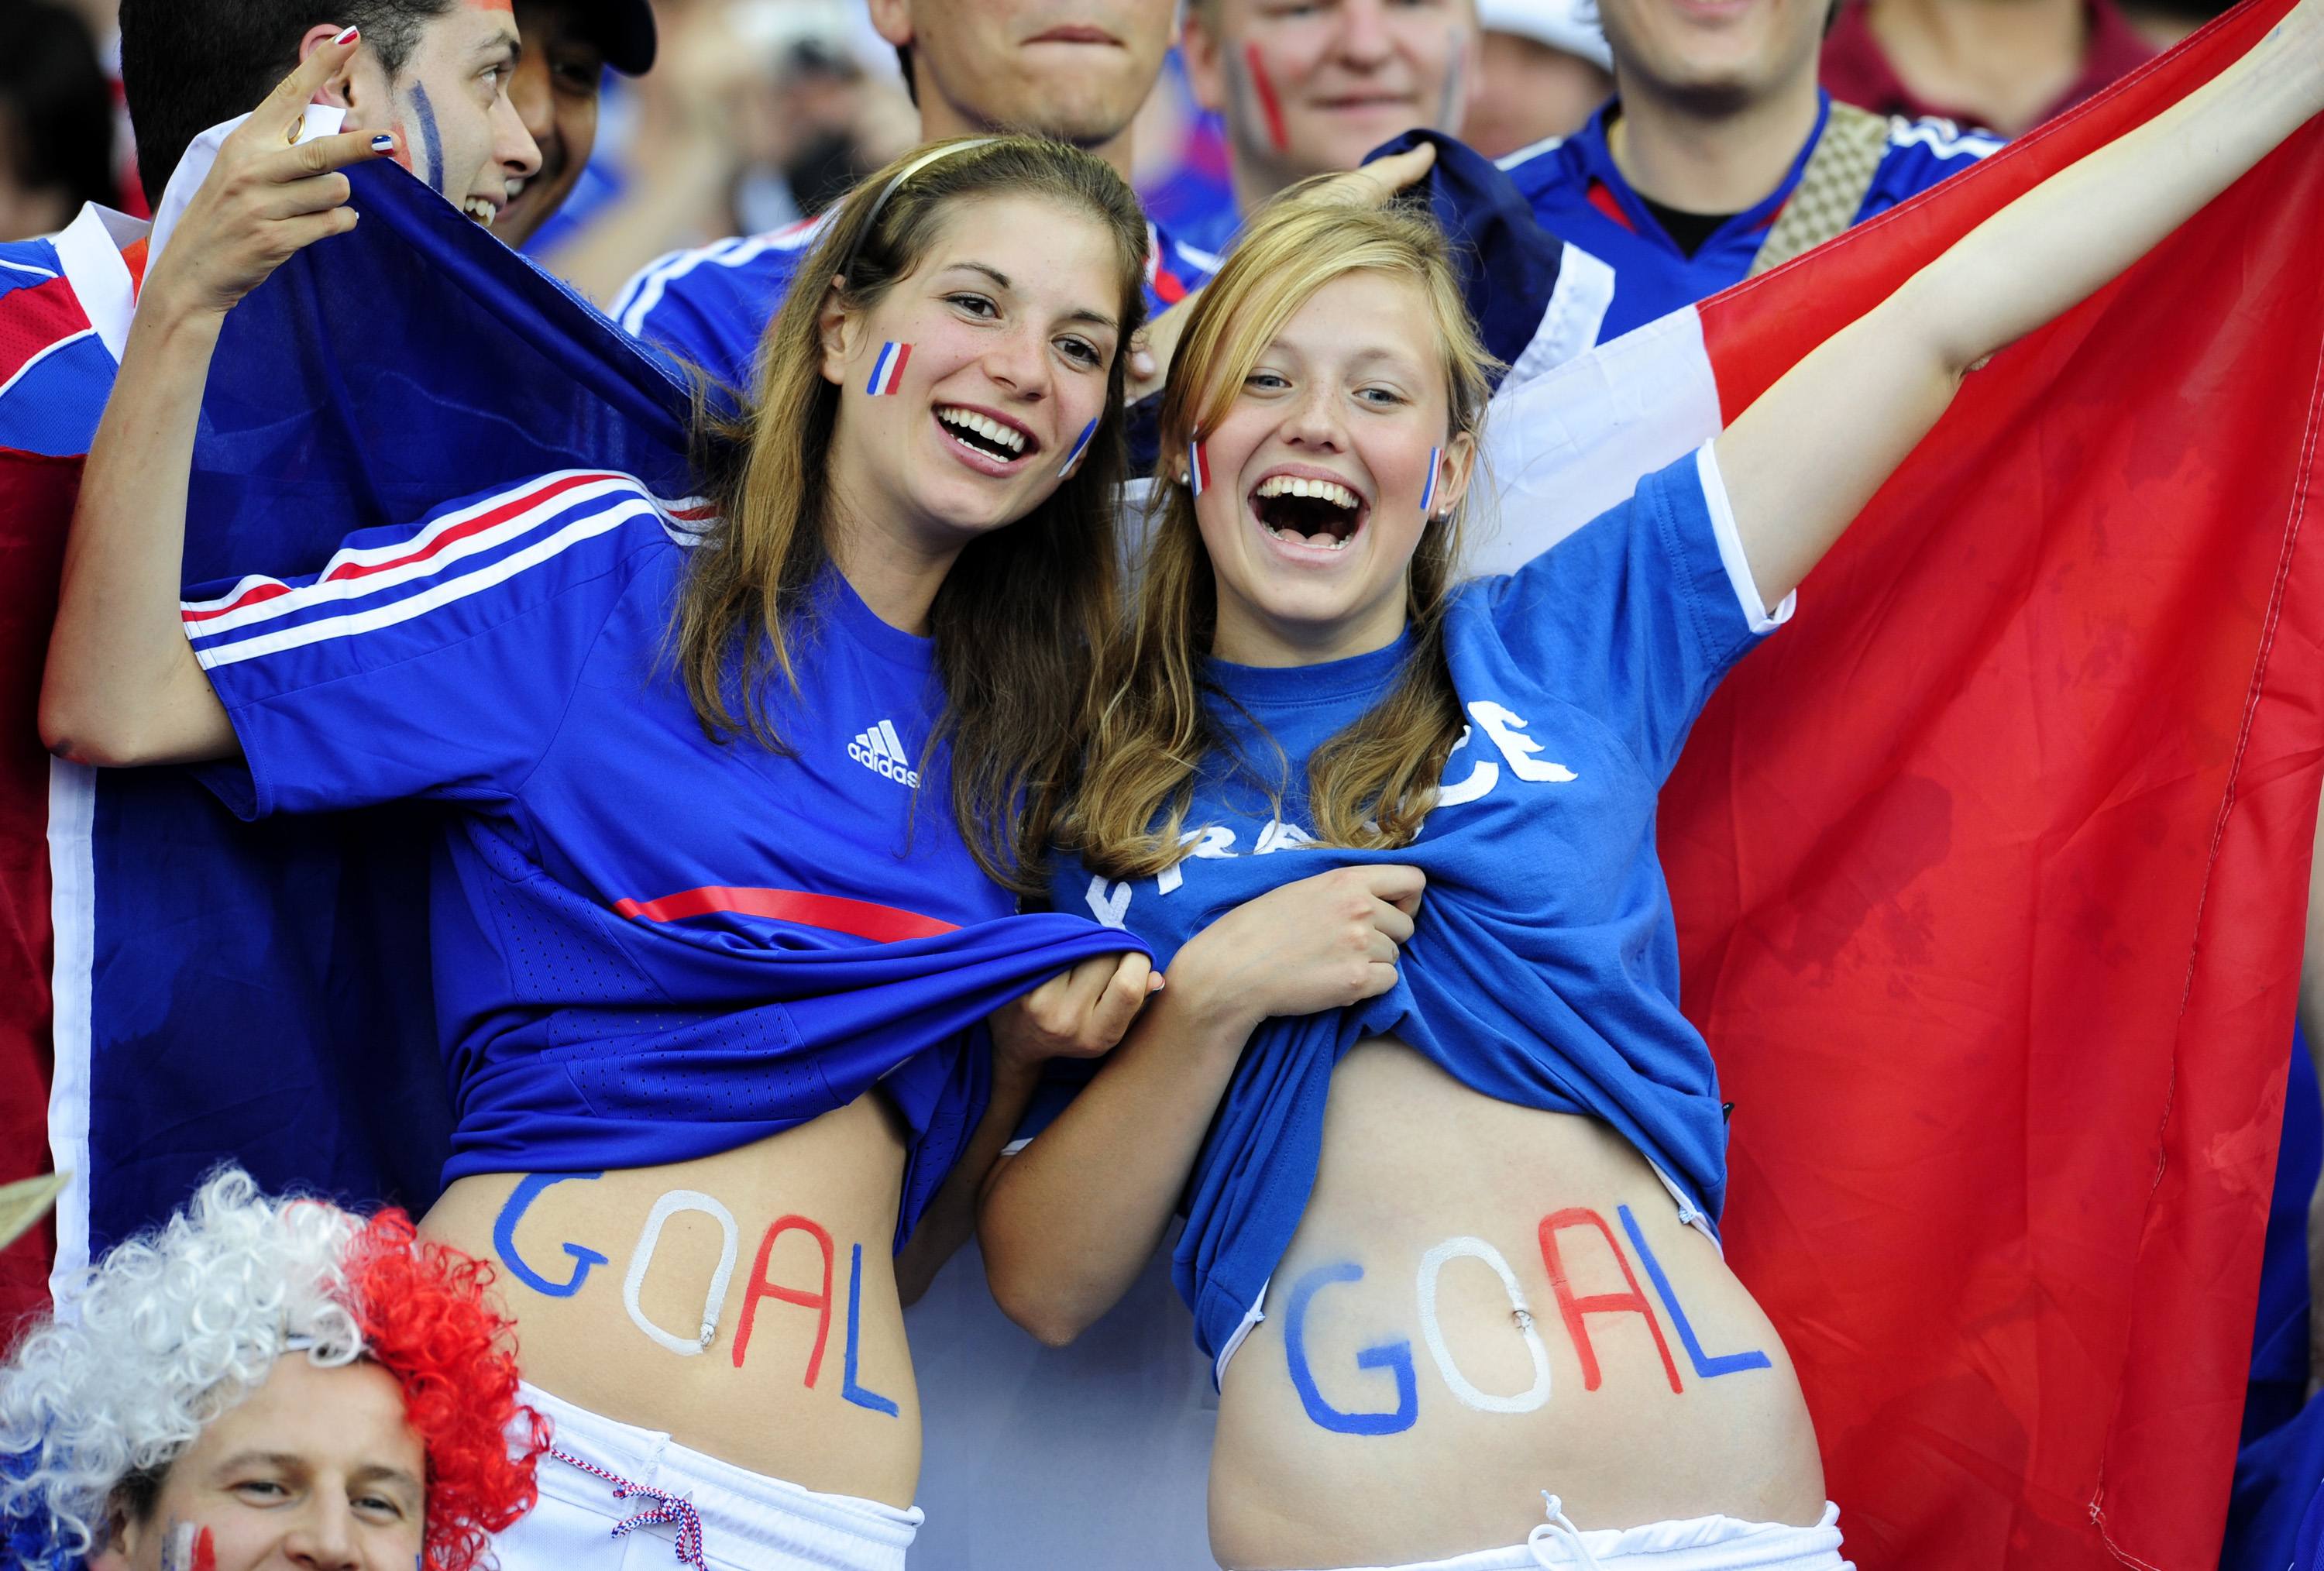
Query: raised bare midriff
point(1484, 1302)
point(745, 1303)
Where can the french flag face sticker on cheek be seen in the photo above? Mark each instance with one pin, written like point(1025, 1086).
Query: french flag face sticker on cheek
point(1428, 496)
point(888, 371)
point(1198, 465)
point(1081, 446)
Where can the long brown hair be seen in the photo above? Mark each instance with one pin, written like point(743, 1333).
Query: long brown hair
point(1023, 610)
point(1373, 782)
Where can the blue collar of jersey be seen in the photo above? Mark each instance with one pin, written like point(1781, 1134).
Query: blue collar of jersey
point(1598, 164)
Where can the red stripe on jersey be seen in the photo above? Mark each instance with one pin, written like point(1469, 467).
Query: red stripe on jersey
point(35, 319)
point(491, 518)
point(1603, 199)
point(863, 919)
point(1168, 287)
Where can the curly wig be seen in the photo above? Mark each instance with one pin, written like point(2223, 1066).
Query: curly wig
point(173, 1328)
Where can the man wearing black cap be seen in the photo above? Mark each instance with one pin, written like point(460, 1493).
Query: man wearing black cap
point(567, 45)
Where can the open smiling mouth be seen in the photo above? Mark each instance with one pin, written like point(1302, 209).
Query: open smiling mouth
point(1309, 512)
point(989, 438)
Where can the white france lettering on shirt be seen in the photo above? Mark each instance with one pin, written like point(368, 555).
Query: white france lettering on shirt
point(1506, 730)
point(1211, 844)
point(1482, 777)
point(1108, 902)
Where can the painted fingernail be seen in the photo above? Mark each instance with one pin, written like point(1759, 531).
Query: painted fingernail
point(1154, 983)
point(383, 143)
point(347, 37)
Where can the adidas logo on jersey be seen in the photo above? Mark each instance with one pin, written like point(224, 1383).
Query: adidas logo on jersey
point(881, 750)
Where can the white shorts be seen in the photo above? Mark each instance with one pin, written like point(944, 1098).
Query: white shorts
point(736, 1520)
point(1702, 1544)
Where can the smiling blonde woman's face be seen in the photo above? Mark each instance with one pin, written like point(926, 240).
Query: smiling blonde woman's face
point(316, 1469)
point(1320, 477)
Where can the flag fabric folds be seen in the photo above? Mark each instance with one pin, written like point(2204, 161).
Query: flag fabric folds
point(1990, 871)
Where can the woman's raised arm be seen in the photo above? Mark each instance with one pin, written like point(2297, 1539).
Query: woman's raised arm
point(1801, 462)
point(122, 685)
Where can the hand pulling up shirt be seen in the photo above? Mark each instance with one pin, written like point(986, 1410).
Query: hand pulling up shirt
point(1543, 968)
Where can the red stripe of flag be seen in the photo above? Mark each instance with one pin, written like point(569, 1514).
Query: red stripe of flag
point(861, 919)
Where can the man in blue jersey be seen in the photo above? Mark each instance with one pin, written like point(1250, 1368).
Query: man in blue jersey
point(437, 72)
point(1078, 72)
point(1720, 156)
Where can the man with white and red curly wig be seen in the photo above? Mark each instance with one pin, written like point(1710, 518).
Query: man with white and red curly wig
point(267, 1381)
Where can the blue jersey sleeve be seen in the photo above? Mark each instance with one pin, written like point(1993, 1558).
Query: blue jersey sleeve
point(710, 308)
point(430, 662)
point(1636, 616)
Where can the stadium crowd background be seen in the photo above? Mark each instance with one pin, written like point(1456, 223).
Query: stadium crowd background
point(759, 111)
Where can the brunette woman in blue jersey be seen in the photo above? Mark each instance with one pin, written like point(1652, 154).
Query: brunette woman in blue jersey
point(741, 793)
point(1417, 819)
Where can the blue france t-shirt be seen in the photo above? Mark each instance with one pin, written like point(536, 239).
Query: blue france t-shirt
point(649, 946)
point(1543, 967)
point(1578, 194)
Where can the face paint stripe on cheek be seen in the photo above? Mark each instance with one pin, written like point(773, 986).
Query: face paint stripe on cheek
point(1081, 446)
point(1448, 109)
point(1428, 497)
point(430, 137)
point(888, 371)
point(1262, 89)
point(205, 1552)
point(1198, 465)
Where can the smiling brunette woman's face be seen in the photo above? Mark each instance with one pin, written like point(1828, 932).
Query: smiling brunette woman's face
point(1012, 322)
point(1317, 475)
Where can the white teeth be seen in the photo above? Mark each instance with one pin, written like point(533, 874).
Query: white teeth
point(1330, 491)
point(1329, 542)
point(992, 430)
point(481, 210)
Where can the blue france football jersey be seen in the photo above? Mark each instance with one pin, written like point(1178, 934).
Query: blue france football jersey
point(1543, 970)
point(710, 306)
point(648, 945)
point(1580, 196)
point(56, 364)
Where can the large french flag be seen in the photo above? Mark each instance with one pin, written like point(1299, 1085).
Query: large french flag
point(1990, 870)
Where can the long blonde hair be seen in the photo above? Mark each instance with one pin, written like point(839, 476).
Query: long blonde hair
point(1371, 785)
point(1021, 614)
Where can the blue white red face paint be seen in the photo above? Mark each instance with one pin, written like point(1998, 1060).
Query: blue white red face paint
point(888, 371)
point(763, 1285)
point(188, 1547)
point(1081, 446)
point(1198, 465)
point(1559, 1236)
point(1428, 496)
point(1262, 91)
